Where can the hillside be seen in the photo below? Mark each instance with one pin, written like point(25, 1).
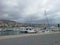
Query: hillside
point(9, 23)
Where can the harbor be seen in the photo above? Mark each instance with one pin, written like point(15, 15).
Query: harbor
point(29, 22)
point(16, 30)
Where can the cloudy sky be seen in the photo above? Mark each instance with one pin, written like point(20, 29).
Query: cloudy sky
point(30, 10)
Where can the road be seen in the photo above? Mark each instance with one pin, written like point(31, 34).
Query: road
point(48, 39)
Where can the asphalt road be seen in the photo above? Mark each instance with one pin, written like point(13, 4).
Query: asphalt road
point(49, 39)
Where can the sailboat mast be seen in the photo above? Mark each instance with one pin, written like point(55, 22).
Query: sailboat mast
point(31, 22)
point(47, 23)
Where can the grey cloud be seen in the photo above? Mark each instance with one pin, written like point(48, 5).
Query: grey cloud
point(24, 10)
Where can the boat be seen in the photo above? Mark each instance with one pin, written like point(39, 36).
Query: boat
point(29, 30)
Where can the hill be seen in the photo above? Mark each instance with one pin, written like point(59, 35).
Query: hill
point(9, 23)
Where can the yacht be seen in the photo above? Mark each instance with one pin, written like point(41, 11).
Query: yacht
point(29, 30)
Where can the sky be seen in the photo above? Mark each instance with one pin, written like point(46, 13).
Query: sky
point(30, 11)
